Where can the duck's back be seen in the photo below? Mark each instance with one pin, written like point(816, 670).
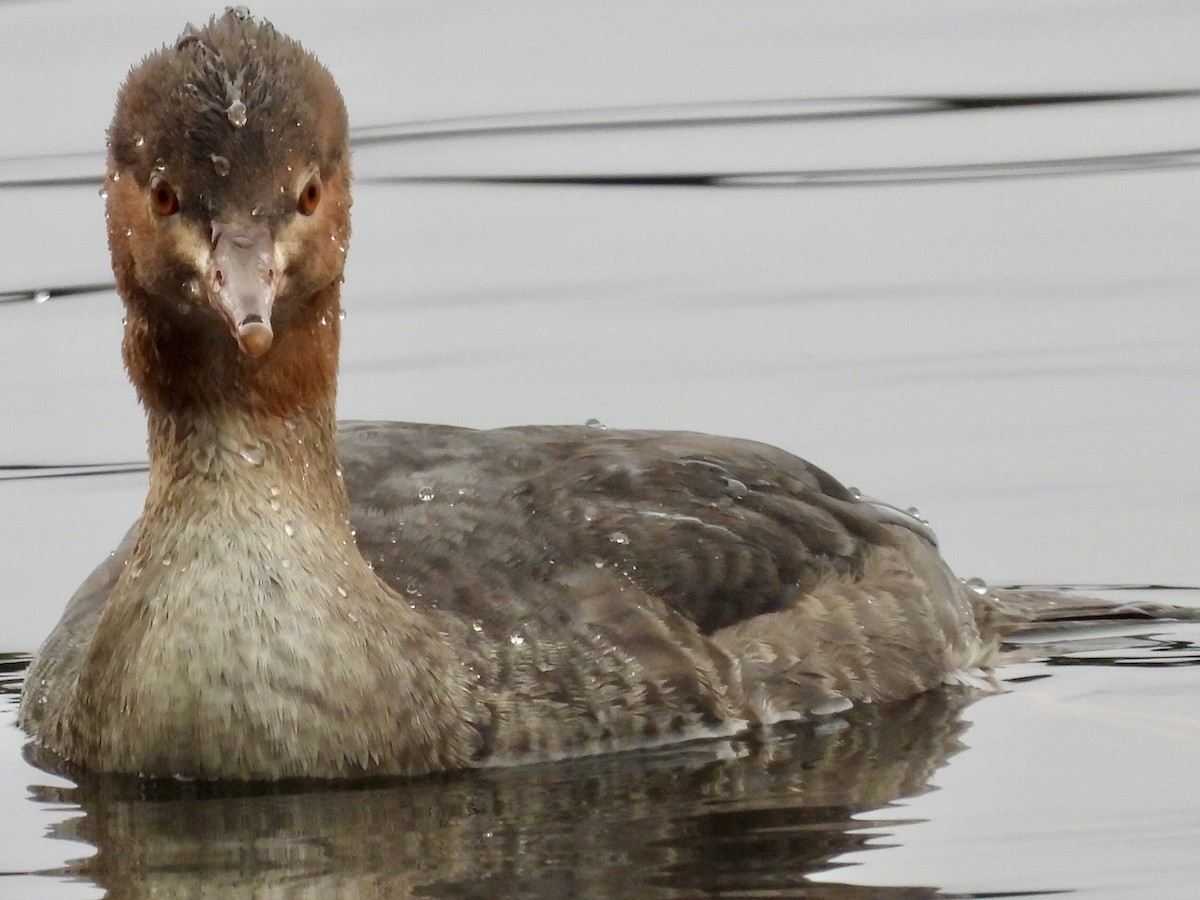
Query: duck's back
point(724, 571)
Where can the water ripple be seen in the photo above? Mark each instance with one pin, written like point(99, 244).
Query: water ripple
point(54, 292)
point(27, 472)
point(85, 170)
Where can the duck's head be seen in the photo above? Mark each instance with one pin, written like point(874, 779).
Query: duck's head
point(228, 189)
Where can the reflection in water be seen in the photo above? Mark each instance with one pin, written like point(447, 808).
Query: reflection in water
point(719, 816)
point(754, 816)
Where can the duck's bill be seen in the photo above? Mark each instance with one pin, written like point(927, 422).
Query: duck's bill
point(243, 281)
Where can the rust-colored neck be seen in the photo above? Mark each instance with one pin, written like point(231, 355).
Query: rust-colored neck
point(185, 364)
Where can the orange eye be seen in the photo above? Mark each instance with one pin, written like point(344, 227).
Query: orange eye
point(310, 195)
point(163, 199)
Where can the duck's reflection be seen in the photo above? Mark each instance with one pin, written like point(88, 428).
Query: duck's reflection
point(744, 817)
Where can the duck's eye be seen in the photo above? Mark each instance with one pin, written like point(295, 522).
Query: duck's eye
point(310, 195)
point(163, 199)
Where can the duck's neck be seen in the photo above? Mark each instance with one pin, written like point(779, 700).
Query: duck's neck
point(224, 460)
point(186, 368)
point(237, 441)
point(268, 484)
point(246, 633)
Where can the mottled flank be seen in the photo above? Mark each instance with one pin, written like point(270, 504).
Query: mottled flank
point(298, 600)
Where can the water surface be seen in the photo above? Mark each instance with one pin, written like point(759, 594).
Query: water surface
point(948, 253)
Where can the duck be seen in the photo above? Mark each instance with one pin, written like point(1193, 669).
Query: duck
point(307, 599)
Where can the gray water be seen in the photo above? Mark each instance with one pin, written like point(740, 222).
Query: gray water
point(947, 251)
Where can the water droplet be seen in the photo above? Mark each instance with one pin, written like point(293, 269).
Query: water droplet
point(323, 321)
point(236, 113)
point(241, 13)
point(596, 423)
point(285, 563)
point(41, 296)
point(104, 192)
point(916, 514)
point(735, 487)
point(160, 165)
point(855, 493)
point(342, 591)
point(599, 564)
point(425, 494)
point(619, 537)
point(477, 626)
point(413, 588)
point(289, 529)
point(977, 585)
point(166, 560)
point(253, 454)
point(128, 232)
point(516, 639)
point(221, 164)
point(341, 315)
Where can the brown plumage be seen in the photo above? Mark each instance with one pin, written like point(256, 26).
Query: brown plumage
point(408, 598)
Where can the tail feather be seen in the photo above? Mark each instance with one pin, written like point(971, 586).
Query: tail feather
point(1005, 611)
